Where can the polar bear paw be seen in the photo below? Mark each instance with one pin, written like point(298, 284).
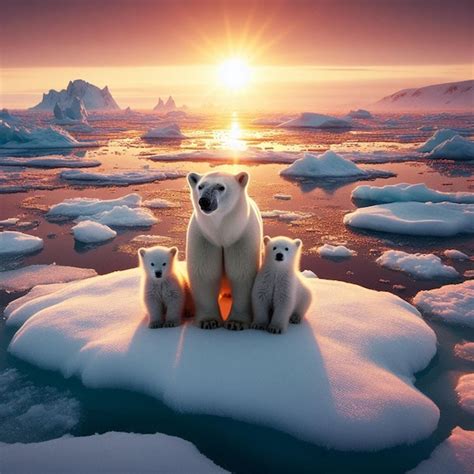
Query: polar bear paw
point(295, 319)
point(274, 329)
point(235, 325)
point(170, 324)
point(154, 324)
point(209, 324)
point(258, 326)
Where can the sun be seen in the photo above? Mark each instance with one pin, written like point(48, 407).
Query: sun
point(234, 73)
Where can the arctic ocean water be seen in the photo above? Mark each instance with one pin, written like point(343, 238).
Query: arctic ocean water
point(42, 405)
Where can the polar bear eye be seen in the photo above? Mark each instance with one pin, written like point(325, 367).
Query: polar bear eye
point(200, 187)
point(152, 264)
point(220, 188)
point(286, 249)
point(274, 248)
point(164, 264)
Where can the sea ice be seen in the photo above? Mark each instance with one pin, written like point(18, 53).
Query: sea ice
point(465, 350)
point(122, 216)
point(424, 266)
point(313, 120)
point(360, 114)
point(90, 232)
point(415, 218)
point(12, 242)
point(438, 137)
point(282, 197)
point(6, 116)
point(166, 131)
point(335, 251)
point(456, 148)
point(158, 203)
point(453, 304)
point(456, 254)
point(408, 192)
point(26, 278)
point(48, 162)
point(282, 215)
point(120, 177)
point(9, 222)
point(465, 391)
point(316, 360)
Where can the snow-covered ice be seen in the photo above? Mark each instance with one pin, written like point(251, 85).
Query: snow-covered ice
point(415, 218)
point(283, 215)
point(90, 232)
point(456, 148)
point(158, 203)
point(151, 239)
point(408, 192)
point(313, 120)
point(360, 114)
point(12, 242)
point(453, 304)
point(455, 455)
point(465, 350)
point(309, 274)
point(120, 177)
point(26, 278)
point(438, 137)
point(49, 162)
point(9, 222)
point(282, 197)
point(423, 266)
point(107, 453)
point(165, 131)
point(465, 391)
point(329, 165)
point(454, 254)
point(335, 251)
point(122, 216)
point(317, 360)
point(6, 116)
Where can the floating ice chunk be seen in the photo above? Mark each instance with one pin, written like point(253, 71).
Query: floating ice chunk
point(285, 215)
point(165, 131)
point(456, 254)
point(158, 203)
point(107, 453)
point(9, 222)
point(360, 114)
point(326, 347)
point(415, 218)
point(456, 148)
point(12, 242)
point(313, 120)
point(329, 165)
point(454, 455)
point(88, 206)
point(465, 391)
point(335, 251)
point(151, 239)
point(282, 197)
point(90, 232)
point(47, 162)
point(309, 274)
point(439, 136)
point(465, 351)
point(121, 177)
point(6, 116)
point(425, 266)
point(27, 277)
point(452, 304)
point(403, 192)
point(122, 216)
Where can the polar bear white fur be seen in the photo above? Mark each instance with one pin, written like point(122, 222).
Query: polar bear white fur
point(280, 294)
point(223, 244)
point(165, 291)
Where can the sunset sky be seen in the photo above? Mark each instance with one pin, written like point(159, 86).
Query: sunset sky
point(324, 54)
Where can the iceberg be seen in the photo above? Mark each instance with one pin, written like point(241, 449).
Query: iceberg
point(167, 131)
point(74, 114)
point(90, 232)
point(415, 218)
point(122, 216)
point(123, 178)
point(163, 107)
point(360, 114)
point(313, 120)
point(439, 137)
point(6, 116)
point(456, 148)
point(12, 242)
point(388, 347)
point(335, 251)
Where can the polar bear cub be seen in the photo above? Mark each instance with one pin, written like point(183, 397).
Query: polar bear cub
point(164, 292)
point(280, 295)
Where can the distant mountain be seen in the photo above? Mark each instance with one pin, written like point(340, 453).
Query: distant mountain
point(457, 96)
point(163, 107)
point(92, 97)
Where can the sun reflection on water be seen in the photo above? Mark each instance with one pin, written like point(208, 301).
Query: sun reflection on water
point(231, 138)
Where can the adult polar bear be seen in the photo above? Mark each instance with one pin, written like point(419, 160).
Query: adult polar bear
point(224, 241)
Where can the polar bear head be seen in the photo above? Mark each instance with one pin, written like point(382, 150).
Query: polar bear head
point(157, 262)
point(282, 251)
point(217, 192)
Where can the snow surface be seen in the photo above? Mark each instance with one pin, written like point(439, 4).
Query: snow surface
point(13, 137)
point(408, 192)
point(165, 131)
point(465, 391)
point(282, 215)
point(90, 232)
point(415, 218)
point(12, 242)
point(335, 251)
point(313, 120)
point(120, 177)
point(453, 304)
point(158, 203)
point(455, 455)
point(95, 329)
point(456, 254)
point(424, 266)
point(26, 278)
point(122, 216)
point(465, 350)
point(437, 138)
point(456, 148)
point(48, 162)
point(329, 165)
point(107, 453)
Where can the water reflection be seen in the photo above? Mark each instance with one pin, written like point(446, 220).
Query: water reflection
point(231, 138)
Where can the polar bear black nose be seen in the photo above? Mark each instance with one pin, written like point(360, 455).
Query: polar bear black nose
point(158, 274)
point(279, 257)
point(205, 203)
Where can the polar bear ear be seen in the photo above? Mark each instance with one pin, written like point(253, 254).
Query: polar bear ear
point(173, 251)
point(242, 178)
point(141, 252)
point(193, 179)
point(298, 242)
point(266, 239)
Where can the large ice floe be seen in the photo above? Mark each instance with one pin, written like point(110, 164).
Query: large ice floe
point(453, 304)
point(26, 278)
point(335, 251)
point(122, 216)
point(465, 391)
point(456, 148)
point(49, 162)
point(107, 453)
point(165, 131)
point(121, 177)
point(12, 242)
point(346, 358)
point(330, 165)
point(403, 192)
point(453, 456)
point(441, 219)
point(438, 137)
point(423, 266)
point(17, 137)
point(90, 232)
point(313, 120)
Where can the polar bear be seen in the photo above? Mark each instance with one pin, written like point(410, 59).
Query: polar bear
point(280, 294)
point(165, 291)
point(223, 244)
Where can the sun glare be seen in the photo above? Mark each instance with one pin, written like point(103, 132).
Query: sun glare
point(234, 73)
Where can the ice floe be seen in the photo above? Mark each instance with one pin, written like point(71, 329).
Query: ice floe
point(316, 360)
point(415, 218)
point(283, 215)
point(12, 242)
point(91, 232)
point(282, 197)
point(360, 114)
point(453, 304)
point(465, 350)
point(11, 221)
point(454, 254)
point(122, 216)
point(165, 131)
point(408, 192)
point(313, 120)
point(423, 266)
point(120, 177)
point(158, 203)
point(26, 278)
point(107, 453)
point(438, 137)
point(48, 162)
point(335, 251)
point(465, 391)
point(456, 148)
